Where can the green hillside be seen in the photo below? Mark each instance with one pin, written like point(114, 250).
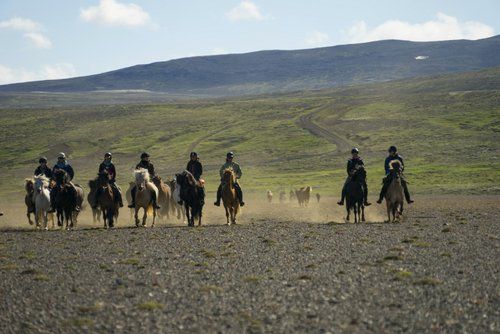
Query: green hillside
point(447, 128)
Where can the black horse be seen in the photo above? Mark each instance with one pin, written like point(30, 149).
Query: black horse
point(355, 195)
point(190, 194)
point(65, 199)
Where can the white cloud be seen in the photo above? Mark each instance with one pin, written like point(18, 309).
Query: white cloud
point(38, 40)
point(444, 27)
point(245, 11)
point(113, 13)
point(32, 31)
point(46, 72)
point(19, 23)
point(318, 38)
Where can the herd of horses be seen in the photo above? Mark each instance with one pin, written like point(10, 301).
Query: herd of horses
point(183, 196)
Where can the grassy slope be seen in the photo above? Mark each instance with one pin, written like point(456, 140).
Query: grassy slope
point(448, 132)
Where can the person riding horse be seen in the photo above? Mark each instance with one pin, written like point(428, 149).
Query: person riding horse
point(146, 164)
point(62, 164)
point(352, 165)
point(43, 168)
point(194, 167)
point(237, 171)
point(393, 155)
point(108, 168)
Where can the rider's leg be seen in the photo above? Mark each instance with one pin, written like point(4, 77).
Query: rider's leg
point(341, 202)
point(365, 193)
point(98, 193)
point(132, 193)
point(53, 193)
point(117, 194)
point(155, 200)
point(239, 193)
point(407, 193)
point(219, 195)
point(385, 185)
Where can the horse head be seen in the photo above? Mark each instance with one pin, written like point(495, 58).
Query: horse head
point(102, 179)
point(29, 186)
point(41, 182)
point(141, 176)
point(359, 174)
point(228, 175)
point(395, 168)
point(61, 176)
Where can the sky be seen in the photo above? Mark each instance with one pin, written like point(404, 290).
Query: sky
point(54, 39)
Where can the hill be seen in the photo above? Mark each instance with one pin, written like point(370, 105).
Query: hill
point(283, 71)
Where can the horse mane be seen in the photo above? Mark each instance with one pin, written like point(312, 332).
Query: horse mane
point(141, 172)
point(393, 162)
point(28, 184)
point(92, 183)
point(190, 178)
point(45, 180)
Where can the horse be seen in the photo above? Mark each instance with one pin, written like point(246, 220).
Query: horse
point(65, 200)
point(354, 195)
point(229, 196)
point(190, 194)
point(303, 195)
point(270, 196)
point(144, 190)
point(96, 212)
point(174, 200)
point(394, 197)
point(29, 186)
point(318, 197)
point(292, 195)
point(107, 201)
point(41, 199)
point(164, 197)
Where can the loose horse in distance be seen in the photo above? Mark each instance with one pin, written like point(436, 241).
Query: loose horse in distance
point(164, 197)
point(96, 212)
point(65, 200)
point(144, 196)
point(41, 200)
point(394, 197)
point(29, 186)
point(107, 201)
point(303, 195)
point(354, 195)
point(269, 196)
point(230, 198)
point(189, 193)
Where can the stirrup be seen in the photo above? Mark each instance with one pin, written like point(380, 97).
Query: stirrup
point(242, 203)
point(340, 202)
point(217, 203)
point(131, 205)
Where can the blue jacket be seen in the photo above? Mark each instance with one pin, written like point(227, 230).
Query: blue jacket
point(66, 167)
point(389, 159)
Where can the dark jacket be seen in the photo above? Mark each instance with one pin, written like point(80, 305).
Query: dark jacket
point(45, 171)
point(388, 161)
point(66, 167)
point(352, 163)
point(109, 169)
point(147, 165)
point(195, 168)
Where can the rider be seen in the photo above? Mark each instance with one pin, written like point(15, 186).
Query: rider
point(237, 171)
point(43, 169)
point(393, 155)
point(109, 169)
point(146, 164)
point(194, 166)
point(63, 164)
point(352, 165)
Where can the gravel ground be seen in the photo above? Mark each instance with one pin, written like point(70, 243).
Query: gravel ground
point(438, 271)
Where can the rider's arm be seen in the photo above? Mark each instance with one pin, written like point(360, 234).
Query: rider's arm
point(201, 169)
point(238, 171)
point(221, 170)
point(71, 172)
point(386, 165)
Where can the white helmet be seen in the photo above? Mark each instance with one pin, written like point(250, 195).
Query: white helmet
point(61, 156)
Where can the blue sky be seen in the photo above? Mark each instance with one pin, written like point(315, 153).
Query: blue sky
point(59, 38)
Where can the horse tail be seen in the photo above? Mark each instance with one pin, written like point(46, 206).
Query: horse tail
point(150, 209)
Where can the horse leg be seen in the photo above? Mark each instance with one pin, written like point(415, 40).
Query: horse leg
point(227, 215)
point(144, 217)
point(348, 209)
point(355, 209)
point(104, 217)
point(29, 217)
point(363, 213)
point(136, 216)
point(388, 211)
point(154, 217)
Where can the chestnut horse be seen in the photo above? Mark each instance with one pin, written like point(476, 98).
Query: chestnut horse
point(144, 190)
point(394, 196)
point(229, 196)
point(107, 201)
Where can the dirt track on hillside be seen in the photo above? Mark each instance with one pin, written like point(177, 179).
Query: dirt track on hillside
point(304, 272)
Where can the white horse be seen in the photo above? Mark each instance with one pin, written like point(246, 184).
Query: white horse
point(41, 198)
point(144, 190)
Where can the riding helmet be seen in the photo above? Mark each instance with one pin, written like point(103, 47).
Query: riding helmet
point(108, 154)
point(354, 150)
point(230, 155)
point(144, 155)
point(393, 149)
point(42, 159)
point(61, 155)
point(193, 154)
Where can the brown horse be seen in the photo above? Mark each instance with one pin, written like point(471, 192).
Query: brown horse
point(394, 197)
point(144, 196)
point(303, 195)
point(229, 196)
point(65, 200)
point(164, 197)
point(96, 212)
point(29, 186)
point(107, 201)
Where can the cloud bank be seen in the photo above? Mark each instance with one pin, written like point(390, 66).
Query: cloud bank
point(31, 29)
point(245, 11)
point(114, 13)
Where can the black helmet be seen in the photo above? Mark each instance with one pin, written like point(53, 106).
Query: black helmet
point(354, 150)
point(108, 154)
point(392, 149)
point(229, 155)
point(42, 159)
point(193, 154)
point(144, 155)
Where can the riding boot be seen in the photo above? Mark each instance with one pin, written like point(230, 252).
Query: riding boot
point(407, 193)
point(96, 196)
point(117, 195)
point(53, 194)
point(383, 190)
point(219, 196)
point(202, 195)
point(365, 195)
point(132, 193)
point(239, 193)
point(341, 202)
